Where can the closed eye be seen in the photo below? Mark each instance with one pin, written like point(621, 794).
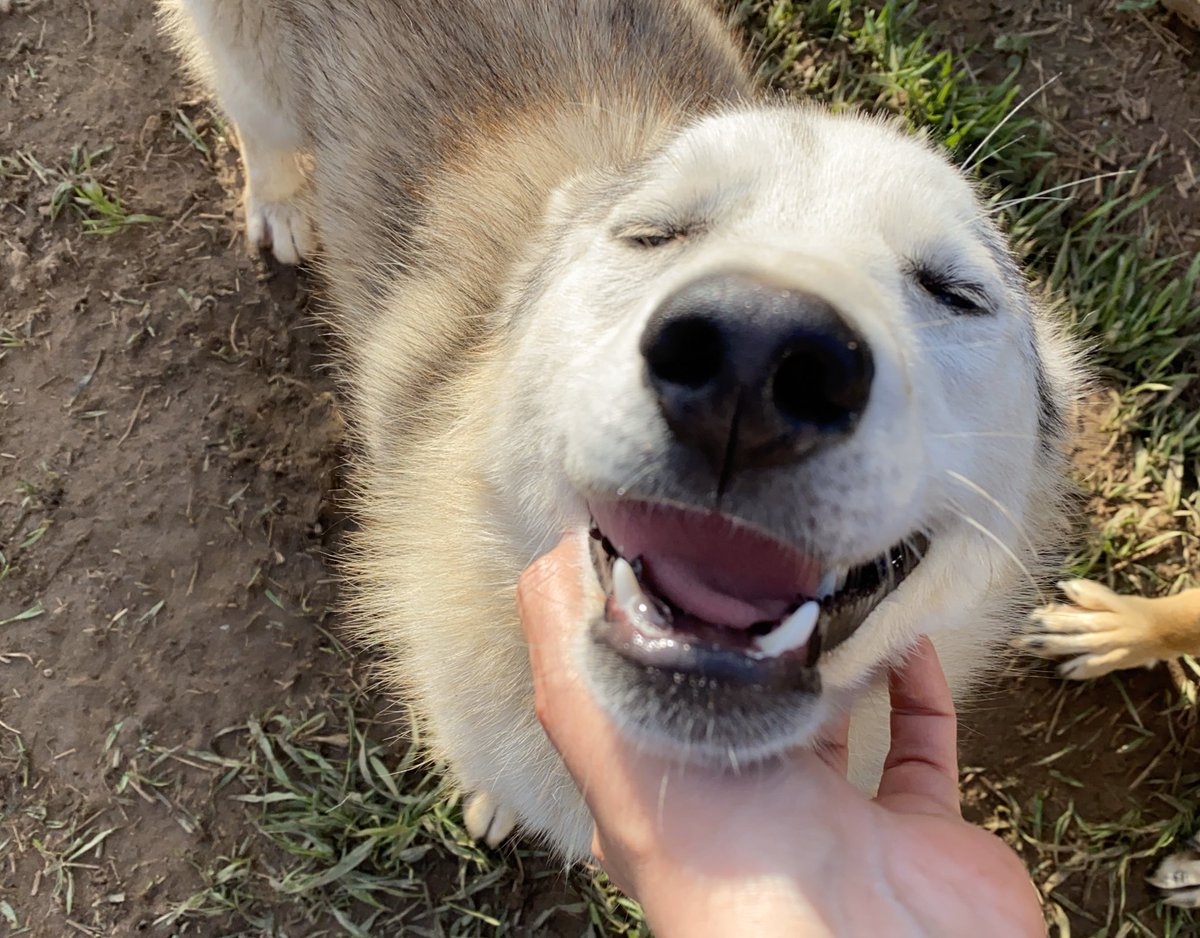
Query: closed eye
point(649, 236)
point(950, 291)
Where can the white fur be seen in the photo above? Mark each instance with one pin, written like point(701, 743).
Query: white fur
point(495, 381)
point(248, 75)
point(950, 440)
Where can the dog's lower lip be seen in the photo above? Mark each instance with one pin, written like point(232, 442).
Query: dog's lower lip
point(656, 636)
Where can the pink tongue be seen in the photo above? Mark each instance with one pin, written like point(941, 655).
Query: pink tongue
point(703, 563)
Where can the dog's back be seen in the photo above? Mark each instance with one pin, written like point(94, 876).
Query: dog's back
point(590, 84)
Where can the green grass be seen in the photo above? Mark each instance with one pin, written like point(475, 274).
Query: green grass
point(360, 840)
point(77, 191)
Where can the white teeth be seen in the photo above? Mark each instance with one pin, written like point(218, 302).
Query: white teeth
point(626, 590)
point(629, 598)
point(792, 633)
point(828, 585)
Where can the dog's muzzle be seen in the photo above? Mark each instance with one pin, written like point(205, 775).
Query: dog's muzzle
point(697, 594)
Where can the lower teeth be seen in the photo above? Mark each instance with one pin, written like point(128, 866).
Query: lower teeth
point(794, 632)
point(629, 598)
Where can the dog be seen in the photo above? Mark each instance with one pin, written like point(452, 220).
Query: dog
point(774, 370)
point(1100, 631)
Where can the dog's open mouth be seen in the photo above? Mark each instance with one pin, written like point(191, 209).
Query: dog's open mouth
point(695, 593)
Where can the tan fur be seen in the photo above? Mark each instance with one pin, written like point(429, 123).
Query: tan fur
point(1103, 631)
point(445, 155)
point(1173, 624)
point(399, 168)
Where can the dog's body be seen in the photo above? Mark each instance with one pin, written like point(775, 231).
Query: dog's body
point(779, 361)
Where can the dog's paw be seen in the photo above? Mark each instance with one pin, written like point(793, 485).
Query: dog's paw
point(487, 819)
point(1177, 878)
point(281, 227)
point(273, 200)
point(1099, 632)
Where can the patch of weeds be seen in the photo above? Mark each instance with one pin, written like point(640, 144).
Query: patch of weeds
point(69, 848)
point(373, 843)
point(105, 214)
point(100, 210)
point(1087, 854)
point(185, 127)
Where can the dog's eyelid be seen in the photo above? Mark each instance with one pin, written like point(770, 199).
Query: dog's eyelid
point(651, 234)
point(951, 288)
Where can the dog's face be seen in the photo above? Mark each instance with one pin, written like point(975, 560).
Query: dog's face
point(786, 374)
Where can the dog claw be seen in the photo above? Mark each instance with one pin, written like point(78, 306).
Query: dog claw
point(487, 819)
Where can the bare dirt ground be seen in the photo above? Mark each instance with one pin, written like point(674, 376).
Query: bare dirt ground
point(169, 448)
point(168, 441)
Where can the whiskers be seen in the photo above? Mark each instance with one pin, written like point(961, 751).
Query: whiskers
point(977, 156)
point(991, 535)
point(1045, 194)
point(648, 467)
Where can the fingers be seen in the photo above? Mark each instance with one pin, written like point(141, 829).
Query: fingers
point(834, 745)
point(922, 765)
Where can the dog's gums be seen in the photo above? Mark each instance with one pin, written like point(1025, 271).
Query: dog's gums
point(657, 628)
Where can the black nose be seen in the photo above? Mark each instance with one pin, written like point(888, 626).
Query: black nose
point(752, 374)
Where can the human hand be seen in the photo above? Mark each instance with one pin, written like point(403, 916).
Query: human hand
point(787, 847)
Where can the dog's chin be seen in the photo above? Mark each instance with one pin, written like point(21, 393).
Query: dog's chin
point(711, 635)
point(698, 718)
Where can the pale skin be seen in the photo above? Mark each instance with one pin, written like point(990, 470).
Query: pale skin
point(788, 848)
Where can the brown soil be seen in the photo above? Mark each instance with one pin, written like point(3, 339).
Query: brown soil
point(169, 444)
point(1121, 88)
point(167, 425)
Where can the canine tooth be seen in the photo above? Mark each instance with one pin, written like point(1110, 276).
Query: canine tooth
point(628, 595)
point(795, 630)
point(828, 585)
point(627, 591)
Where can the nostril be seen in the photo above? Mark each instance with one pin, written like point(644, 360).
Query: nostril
point(822, 381)
point(688, 352)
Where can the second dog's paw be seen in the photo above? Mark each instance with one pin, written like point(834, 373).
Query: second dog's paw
point(487, 819)
point(1102, 632)
point(282, 227)
point(1178, 877)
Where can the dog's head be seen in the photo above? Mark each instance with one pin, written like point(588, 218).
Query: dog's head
point(788, 376)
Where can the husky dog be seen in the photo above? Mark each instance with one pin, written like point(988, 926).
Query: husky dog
point(777, 362)
point(1099, 631)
